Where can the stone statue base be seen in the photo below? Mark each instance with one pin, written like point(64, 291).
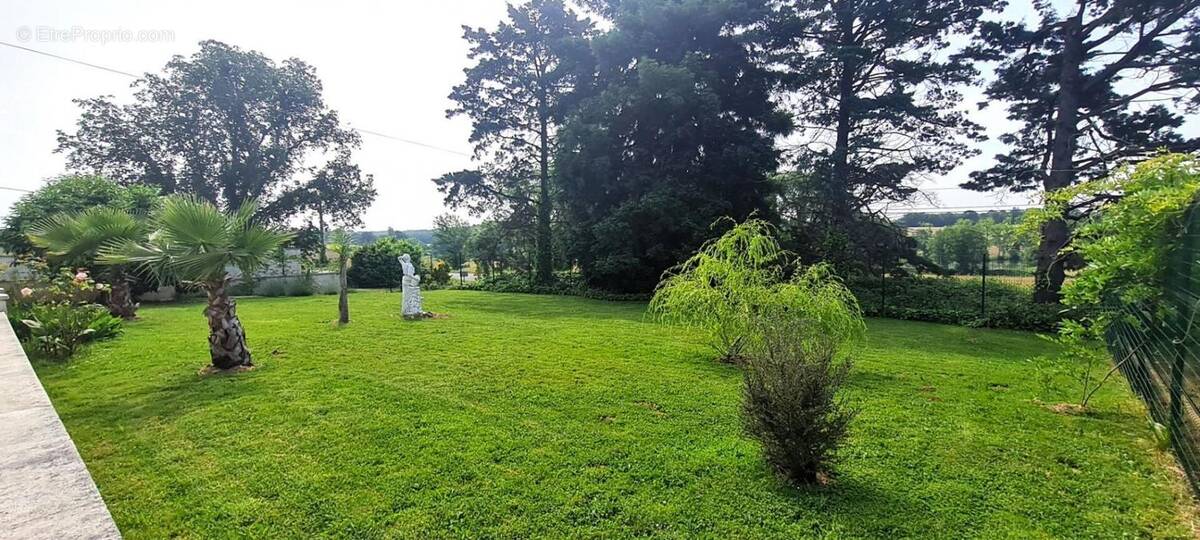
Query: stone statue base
point(410, 306)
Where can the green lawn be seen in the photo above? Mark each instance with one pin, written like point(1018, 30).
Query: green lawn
point(522, 416)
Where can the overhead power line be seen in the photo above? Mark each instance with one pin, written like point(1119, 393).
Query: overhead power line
point(72, 60)
point(409, 141)
point(132, 76)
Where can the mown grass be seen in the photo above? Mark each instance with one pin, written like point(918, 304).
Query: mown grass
point(535, 416)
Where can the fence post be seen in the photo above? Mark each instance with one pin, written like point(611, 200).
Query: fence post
point(983, 287)
point(883, 290)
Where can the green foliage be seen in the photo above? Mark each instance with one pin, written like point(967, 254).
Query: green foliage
point(877, 104)
point(451, 235)
point(951, 300)
point(178, 130)
point(516, 93)
point(376, 265)
point(70, 195)
point(57, 312)
point(961, 246)
point(792, 380)
point(57, 330)
point(194, 241)
point(76, 238)
point(289, 286)
point(678, 133)
point(1127, 243)
point(440, 273)
point(341, 244)
point(742, 274)
point(563, 284)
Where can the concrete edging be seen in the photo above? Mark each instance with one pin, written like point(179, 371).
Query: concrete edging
point(45, 488)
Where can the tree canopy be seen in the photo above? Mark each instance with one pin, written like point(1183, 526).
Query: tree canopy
point(875, 100)
point(70, 195)
point(224, 125)
point(678, 134)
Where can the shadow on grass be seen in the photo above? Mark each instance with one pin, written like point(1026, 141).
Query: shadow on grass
point(185, 391)
point(853, 504)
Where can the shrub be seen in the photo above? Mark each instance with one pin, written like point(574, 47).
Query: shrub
point(792, 377)
point(271, 288)
point(57, 330)
point(563, 284)
point(54, 313)
point(374, 266)
point(950, 300)
point(440, 274)
point(1136, 236)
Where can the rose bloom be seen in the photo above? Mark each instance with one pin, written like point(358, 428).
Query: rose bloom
point(26, 292)
point(81, 276)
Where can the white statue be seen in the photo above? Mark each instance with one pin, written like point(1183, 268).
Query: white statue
point(411, 282)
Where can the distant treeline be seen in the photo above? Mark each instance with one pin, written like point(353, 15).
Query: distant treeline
point(946, 219)
point(422, 236)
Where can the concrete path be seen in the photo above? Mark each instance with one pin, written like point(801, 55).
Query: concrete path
point(45, 489)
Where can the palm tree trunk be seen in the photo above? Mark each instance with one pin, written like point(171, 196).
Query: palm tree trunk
point(120, 297)
point(343, 294)
point(226, 338)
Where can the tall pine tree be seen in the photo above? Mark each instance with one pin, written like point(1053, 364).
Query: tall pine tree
point(876, 101)
point(1094, 84)
point(515, 95)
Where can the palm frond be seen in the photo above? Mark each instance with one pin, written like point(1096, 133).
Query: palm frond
point(79, 238)
point(193, 224)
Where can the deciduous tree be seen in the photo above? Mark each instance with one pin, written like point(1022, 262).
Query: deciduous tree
point(224, 125)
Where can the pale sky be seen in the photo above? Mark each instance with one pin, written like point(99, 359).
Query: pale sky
point(386, 67)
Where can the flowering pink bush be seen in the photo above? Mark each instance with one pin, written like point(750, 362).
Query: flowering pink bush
point(57, 311)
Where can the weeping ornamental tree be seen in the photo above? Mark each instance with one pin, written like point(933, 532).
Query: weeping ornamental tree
point(789, 334)
point(77, 239)
point(192, 241)
point(735, 278)
point(718, 287)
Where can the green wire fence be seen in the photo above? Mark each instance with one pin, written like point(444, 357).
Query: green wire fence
point(1157, 348)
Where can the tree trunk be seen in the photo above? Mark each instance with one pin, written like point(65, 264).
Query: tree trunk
point(120, 298)
point(545, 257)
point(839, 186)
point(343, 294)
point(226, 338)
point(1055, 234)
point(321, 256)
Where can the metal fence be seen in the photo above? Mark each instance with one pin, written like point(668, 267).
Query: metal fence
point(1157, 348)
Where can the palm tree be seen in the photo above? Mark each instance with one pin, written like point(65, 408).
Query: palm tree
point(77, 239)
point(342, 245)
point(193, 241)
